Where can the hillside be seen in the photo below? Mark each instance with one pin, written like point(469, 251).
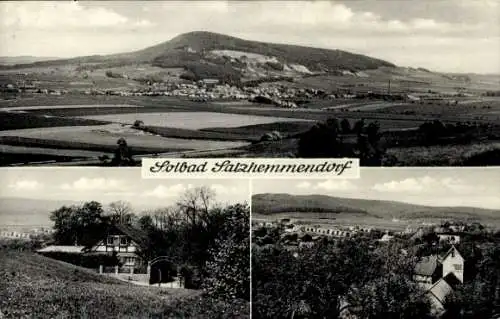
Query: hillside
point(33, 286)
point(7, 60)
point(268, 204)
point(213, 55)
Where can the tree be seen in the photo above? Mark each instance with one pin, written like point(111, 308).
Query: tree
point(196, 203)
point(78, 224)
point(123, 154)
point(121, 212)
point(229, 267)
point(345, 126)
point(321, 141)
point(389, 296)
point(145, 222)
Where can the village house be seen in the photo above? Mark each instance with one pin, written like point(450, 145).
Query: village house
point(449, 238)
point(123, 241)
point(440, 275)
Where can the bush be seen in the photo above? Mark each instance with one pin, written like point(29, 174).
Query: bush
point(138, 124)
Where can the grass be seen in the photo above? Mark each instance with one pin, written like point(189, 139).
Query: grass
point(33, 286)
point(477, 154)
point(285, 128)
point(15, 121)
point(74, 145)
point(222, 135)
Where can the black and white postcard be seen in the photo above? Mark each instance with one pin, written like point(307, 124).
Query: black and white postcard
point(106, 83)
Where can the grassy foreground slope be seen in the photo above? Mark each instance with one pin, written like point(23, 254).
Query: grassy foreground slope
point(33, 286)
point(268, 204)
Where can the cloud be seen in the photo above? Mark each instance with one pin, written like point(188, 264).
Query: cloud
point(425, 184)
point(224, 190)
point(162, 191)
point(94, 184)
point(336, 185)
point(328, 185)
point(54, 15)
point(304, 185)
point(26, 185)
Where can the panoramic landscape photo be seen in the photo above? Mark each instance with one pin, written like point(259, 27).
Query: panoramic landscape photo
point(395, 83)
point(396, 243)
point(104, 243)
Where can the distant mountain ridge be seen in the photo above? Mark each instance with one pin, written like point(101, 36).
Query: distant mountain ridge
point(13, 60)
point(207, 54)
point(29, 212)
point(269, 204)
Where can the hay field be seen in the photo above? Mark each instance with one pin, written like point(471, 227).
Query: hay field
point(189, 120)
point(107, 135)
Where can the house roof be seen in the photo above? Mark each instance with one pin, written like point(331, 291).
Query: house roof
point(453, 248)
point(427, 266)
point(137, 235)
point(440, 290)
point(452, 280)
point(62, 249)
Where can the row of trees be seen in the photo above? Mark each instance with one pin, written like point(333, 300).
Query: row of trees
point(330, 140)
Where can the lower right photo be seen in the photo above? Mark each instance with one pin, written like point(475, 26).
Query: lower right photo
point(395, 243)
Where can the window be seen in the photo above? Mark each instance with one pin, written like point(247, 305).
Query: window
point(110, 240)
point(457, 266)
point(453, 253)
point(123, 241)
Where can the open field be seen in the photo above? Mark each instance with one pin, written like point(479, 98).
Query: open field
point(16, 121)
point(106, 137)
point(448, 155)
point(33, 286)
point(56, 152)
point(189, 120)
point(487, 108)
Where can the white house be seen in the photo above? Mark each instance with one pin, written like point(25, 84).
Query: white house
point(439, 275)
point(453, 262)
point(123, 241)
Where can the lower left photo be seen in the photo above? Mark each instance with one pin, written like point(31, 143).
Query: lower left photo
point(105, 243)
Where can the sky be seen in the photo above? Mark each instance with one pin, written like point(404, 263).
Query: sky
point(471, 187)
point(110, 185)
point(441, 35)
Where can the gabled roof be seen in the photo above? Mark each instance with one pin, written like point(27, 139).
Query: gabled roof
point(427, 266)
point(440, 290)
point(452, 280)
point(135, 234)
point(453, 248)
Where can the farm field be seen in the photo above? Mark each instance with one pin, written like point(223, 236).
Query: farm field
point(447, 155)
point(487, 108)
point(33, 286)
point(107, 135)
point(189, 120)
point(11, 149)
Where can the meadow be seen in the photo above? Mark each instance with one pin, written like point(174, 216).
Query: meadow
point(189, 120)
point(103, 138)
point(33, 286)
